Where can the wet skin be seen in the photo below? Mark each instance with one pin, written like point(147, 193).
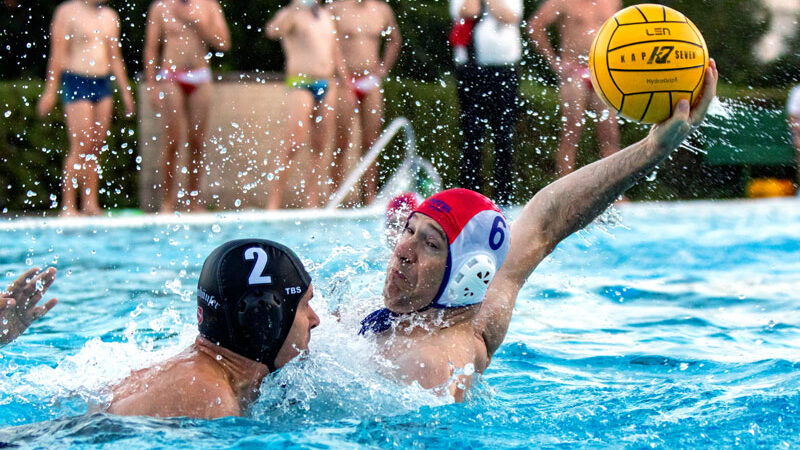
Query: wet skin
point(440, 349)
point(206, 380)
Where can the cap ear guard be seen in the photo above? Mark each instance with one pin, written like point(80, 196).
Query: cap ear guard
point(470, 281)
point(260, 319)
point(475, 256)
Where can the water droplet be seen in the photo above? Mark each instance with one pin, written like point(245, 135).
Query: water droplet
point(469, 369)
point(31, 194)
point(216, 228)
point(7, 114)
point(237, 203)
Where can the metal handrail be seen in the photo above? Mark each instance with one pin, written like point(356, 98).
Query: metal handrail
point(400, 123)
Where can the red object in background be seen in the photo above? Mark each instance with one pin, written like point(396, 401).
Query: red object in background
point(407, 201)
point(461, 33)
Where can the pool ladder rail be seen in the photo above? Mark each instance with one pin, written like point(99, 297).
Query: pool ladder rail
point(404, 178)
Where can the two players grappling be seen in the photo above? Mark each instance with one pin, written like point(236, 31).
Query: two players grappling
point(449, 293)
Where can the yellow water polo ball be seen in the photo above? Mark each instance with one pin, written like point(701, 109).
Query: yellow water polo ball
point(645, 59)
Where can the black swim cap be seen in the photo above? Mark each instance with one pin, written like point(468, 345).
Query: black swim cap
point(247, 297)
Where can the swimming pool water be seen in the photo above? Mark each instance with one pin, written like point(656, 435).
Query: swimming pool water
point(671, 325)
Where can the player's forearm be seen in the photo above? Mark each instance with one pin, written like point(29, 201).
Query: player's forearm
point(119, 71)
point(572, 202)
point(214, 35)
point(150, 57)
point(538, 35)
point(392, 52)
point(54, 68)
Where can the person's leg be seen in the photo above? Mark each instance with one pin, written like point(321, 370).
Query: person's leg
point(473, 127)
point(197, 105)
point(100, 122)
point(573, 105)
point(321, 154)
point(173, 121)
point(345, 114)
point(502, 120)
point(78, 116)
point(607, 129)
point(299, 105)
point(371, 113)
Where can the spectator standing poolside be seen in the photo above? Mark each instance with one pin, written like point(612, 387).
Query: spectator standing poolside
point(793, 108)
point(488, 85)
point(577, 22)
point(307, 34)
point(361, 25)
point(179, 84)
point(84, 57)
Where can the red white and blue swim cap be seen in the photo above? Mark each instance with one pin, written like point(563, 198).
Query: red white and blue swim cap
point(478, 240)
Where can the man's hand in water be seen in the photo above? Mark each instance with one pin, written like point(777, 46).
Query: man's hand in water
point(668, 135)
point(18, 303)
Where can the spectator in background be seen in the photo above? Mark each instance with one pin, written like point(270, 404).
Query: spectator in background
point(361, 26)
point(18, 302)
point(488, 84)
point(307, 34)
point(577, 22)
point(84, 55)
point(179, 84)
point(793, 108)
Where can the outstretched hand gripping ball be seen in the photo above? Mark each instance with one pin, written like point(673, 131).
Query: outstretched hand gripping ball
point(645, 59)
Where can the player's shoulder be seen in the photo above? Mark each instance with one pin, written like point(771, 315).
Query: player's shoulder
point(381, 7)
point(334, 7)
point(159, 6)
point(213, 4)
point(65, 9)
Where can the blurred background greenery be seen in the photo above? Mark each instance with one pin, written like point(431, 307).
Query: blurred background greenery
point(31, 150)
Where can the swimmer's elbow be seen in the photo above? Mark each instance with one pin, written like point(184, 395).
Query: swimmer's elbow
point(273, 33)
point(224, 45)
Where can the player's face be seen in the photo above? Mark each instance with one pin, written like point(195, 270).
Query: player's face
point(300, 334)
point(417, 266)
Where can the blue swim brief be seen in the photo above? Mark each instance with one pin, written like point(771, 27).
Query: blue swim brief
point(317, 87)
point(80, 87)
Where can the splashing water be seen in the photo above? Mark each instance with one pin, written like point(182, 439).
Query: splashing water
point(665, 326)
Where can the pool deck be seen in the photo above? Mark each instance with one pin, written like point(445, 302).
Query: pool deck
point(123, 220)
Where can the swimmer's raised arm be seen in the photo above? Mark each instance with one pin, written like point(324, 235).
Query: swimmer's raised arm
point(538, 23)
point(18, 308)
point(58, 49)
point(118, 67)
point(572, 202)
point(281, 25)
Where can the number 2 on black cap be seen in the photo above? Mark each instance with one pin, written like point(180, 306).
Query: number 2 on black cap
point(257, 275)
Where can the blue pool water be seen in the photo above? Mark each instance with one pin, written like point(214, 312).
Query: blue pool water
point(672, 325)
